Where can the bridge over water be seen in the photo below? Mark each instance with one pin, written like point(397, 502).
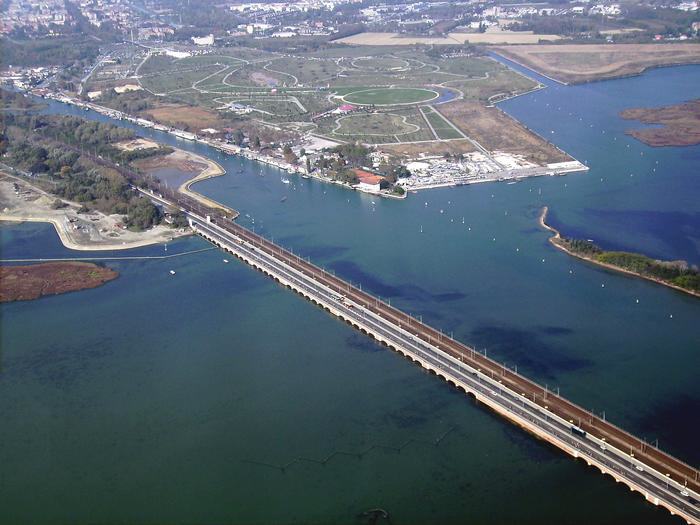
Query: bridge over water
point(661, 478)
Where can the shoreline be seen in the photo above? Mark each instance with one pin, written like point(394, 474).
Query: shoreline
point(61, 221)
point(213, 169)
point(72, 245)
point(506, 56)
point(579, 82)
point(557, 237)
point(233, 150)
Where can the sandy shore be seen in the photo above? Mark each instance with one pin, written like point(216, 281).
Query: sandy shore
point(93, 231)
point(190, 162)
point(213, 169)
point(556, 242)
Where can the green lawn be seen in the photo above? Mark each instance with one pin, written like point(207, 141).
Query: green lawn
point(440, 125)
point(389, 96)
point(381, 63)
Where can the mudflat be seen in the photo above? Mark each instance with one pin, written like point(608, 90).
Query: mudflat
point(24, 283)
point(681, 124)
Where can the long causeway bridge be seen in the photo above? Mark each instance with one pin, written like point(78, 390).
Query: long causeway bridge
point(661, 478)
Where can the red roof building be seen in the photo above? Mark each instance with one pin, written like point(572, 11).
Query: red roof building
point(368, 181)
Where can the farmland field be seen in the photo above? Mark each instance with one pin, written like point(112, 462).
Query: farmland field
point(574, 63)
point(496, 37)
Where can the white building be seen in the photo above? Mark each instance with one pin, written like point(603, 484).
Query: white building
point(204, 40)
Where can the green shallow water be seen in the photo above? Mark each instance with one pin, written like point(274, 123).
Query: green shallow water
point(155, 398)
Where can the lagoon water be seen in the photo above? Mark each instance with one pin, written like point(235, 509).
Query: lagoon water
point(179, 398)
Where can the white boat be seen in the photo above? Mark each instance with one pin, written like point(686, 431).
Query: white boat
point(184, 134)
point(172, 272)
point(285, 180)
point(226, 260)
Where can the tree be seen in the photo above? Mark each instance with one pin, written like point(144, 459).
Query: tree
point(289, 155)
point(179, 220)
point(142, 214)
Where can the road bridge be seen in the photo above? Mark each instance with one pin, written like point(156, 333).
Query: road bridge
point(661, 478)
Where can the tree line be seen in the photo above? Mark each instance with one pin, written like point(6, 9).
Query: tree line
point(48, 148)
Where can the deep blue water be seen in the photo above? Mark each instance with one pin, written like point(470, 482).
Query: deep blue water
point(156, 397)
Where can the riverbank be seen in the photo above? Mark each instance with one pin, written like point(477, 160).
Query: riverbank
point(559, 242)
point(26, 283)
point(21, 201)
point(524, 136)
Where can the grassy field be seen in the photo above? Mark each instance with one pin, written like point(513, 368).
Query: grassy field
point(164, 83)
point(453, 147)
point(442, 127)
point(400, 125)
point(374, 124)
point(305, 71)
point(185, 116)
point(390, 96)
point(381, 63)
point(496, 131)
point(293, 92)
point(499, 82)
point(586, 63)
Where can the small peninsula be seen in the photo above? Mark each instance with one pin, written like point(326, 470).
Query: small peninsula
point(24, 283)
point(680, 124)
point(674, 274)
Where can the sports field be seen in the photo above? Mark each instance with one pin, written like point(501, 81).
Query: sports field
point(390, 96)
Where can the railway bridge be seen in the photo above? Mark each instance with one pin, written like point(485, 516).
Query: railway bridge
point(661, 478)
